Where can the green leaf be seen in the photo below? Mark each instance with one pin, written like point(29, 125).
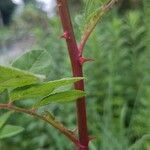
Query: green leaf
point(91, 11)
point(61, 97)
point(92, 20)
point(13, 78)
point(35, 61)
point(4, 118)
point(10, 130)
point(40, 90)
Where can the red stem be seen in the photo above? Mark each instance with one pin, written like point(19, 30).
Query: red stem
point(76, 69)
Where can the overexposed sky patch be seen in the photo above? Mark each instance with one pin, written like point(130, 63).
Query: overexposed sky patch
point(18, 2)
point(43, 1)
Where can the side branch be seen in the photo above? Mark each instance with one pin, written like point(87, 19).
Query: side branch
point(54, 123)
point(103, 9)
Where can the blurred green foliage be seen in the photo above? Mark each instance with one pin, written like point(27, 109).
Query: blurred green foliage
point(117, 85)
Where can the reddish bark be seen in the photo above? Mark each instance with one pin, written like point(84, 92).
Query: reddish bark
point(76, 70)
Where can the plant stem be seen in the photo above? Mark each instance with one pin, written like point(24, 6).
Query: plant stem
point(77, 71)
point(103, 9)
point(70, 135)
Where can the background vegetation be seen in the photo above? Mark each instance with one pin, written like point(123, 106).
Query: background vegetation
point(118, 81)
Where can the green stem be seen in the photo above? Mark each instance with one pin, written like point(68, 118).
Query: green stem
point(103, 9)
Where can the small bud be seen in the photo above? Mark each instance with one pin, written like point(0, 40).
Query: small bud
point(82, 60)
point(66, 35)
point(74, 131)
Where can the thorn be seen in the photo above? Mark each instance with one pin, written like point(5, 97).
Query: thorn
point(82, 60)
point(74, 131)
point(66, 35)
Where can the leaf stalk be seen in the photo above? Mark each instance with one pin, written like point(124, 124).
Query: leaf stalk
point(71, 136)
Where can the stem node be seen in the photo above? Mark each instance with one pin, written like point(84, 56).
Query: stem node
point(66, 35)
